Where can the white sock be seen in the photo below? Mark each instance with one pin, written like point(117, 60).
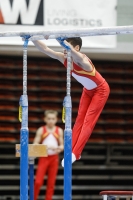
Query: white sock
point(73, 159)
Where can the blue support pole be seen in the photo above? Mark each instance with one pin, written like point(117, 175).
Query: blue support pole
point(68, 129)
point(24, 150)
point(68, 135)
point(31, 178)
point(67, 151)
point(24, 133)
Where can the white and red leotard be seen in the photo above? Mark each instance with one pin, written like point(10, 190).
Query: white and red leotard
point(94, 96)
point(89, 80)
point(47, 165)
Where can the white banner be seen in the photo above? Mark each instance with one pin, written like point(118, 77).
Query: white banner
point(58, 14)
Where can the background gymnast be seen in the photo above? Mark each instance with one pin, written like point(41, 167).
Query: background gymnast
point(94, 96)
point(52, 136)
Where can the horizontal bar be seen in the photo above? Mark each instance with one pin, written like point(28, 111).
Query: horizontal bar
point(72, 32)
point(35, 150)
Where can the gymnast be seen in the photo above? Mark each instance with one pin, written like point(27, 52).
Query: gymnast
point(51, 136)
point(94, 96)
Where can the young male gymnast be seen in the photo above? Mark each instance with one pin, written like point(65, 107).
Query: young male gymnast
point(94, 96)
point(52, 136)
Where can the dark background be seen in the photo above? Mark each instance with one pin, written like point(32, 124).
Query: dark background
point(107, 161)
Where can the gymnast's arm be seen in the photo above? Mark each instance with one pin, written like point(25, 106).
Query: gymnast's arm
point(80, 59)
point(41, 46)
point(38, 137)
point(61, 142)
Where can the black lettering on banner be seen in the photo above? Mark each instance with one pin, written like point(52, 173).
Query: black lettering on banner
point(81, 22)
point(65, 22)
point(99, 22)
point(92, 22)
point(74, 22)
point(61, 13)
point(49, 21)
point(39, 18)
point(11, 2)
point(56, 21)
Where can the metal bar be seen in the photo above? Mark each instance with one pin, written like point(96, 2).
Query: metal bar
point(31, 178)
point(68, 135)
point(68, 73)
point(24, 138)
point(25, 67)
point(71, 32)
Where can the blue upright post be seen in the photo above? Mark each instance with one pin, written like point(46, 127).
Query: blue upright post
point(68, 135)
point(67, 150)
point(24, 133)
point(31, 178)
point(68, 130)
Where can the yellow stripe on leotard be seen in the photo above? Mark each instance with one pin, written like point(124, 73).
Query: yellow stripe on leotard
point(92, 73)
point(44, 135)
point(56, 135)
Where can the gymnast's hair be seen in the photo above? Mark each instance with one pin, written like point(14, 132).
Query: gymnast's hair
point(75, 41)
point(46, 112)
